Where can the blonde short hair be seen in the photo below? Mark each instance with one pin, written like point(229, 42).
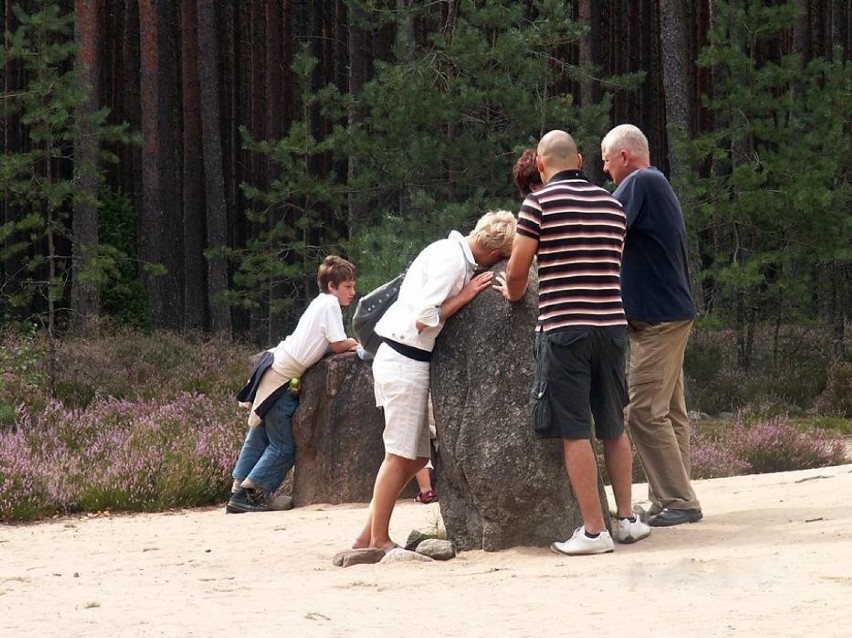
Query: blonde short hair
point(495, 230)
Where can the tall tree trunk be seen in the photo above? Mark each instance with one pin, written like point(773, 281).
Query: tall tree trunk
point(85, 299)
point(245, 86)
point(405, 30)
point(85, 294)
point(653, 106)
point(405, 48)
point(11, 144)
point(802, 33)
point(358, 54)
point(159, 224)
point(839, 312)
point(151, 214)
point(673, 41)
point(195, 285)
point(228, 36)
point(274, 79)
point(257, 94)
point(840, 31)
point(131, 154)
point(172, 178)
point(217, 211)
point(588, 14)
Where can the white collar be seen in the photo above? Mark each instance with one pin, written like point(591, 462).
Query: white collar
point(468, 253)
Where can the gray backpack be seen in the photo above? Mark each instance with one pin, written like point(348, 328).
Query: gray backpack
point(371, 307)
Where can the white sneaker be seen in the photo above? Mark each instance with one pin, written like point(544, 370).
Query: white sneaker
point(627, 531)
point(580, 544)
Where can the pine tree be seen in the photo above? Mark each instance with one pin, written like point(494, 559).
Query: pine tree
point(468, 89)
point(300, 218)
point(776, 195)
point(38, 182)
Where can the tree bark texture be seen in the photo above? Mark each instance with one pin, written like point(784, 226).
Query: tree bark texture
point(85, 299)
point(194, 240)
point(12, 141)
point(216, 207)
point(672, 46)
point(159, 233)
point(275, 129)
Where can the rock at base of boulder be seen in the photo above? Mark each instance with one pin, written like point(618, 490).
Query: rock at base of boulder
point(349, 557)
point(281, 502)
point(400, 555)
point(416, 537)
point(437, 549)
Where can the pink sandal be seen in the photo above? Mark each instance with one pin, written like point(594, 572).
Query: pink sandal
point(426, 497)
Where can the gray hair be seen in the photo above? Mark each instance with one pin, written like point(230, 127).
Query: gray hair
point(627, 137)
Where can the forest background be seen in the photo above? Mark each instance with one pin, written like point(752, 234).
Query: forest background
point(184, 165)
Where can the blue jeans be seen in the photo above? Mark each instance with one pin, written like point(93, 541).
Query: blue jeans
point(269, 450)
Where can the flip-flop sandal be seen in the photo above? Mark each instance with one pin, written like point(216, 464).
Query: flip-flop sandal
point(426, 497)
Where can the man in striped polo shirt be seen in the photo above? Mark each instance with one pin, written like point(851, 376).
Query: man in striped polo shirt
point(576, 230)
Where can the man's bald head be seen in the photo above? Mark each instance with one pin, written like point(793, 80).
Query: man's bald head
point(557, 152)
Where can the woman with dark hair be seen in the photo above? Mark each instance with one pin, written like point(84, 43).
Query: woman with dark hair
point(525, 173)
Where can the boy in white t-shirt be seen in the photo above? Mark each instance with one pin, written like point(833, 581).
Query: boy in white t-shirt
point(269, 450)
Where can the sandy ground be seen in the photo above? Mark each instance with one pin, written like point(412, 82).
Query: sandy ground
point(773, 557)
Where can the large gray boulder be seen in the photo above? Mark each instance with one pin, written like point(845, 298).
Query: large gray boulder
point(499, 487)
point(338, 433)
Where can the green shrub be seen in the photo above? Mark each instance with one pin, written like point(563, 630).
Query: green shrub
point(756, 444)
point(789, 371)
point(147, 421)
point(119, 455)
point(22, 371)
point(134, 365)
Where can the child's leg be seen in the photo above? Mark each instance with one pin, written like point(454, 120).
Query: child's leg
point(424, 480)
point(280, 452)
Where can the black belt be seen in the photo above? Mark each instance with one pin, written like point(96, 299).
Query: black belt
point(408, 351)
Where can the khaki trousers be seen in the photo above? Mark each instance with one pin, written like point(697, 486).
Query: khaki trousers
point(656, 415)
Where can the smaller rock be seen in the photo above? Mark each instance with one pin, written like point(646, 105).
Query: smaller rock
point(281, 502)
point(400, 555)
point(349, 557)
point(437, 549)
point(415, 538)
point(695, 415)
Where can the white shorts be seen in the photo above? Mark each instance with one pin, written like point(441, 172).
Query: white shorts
point(402, 390)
